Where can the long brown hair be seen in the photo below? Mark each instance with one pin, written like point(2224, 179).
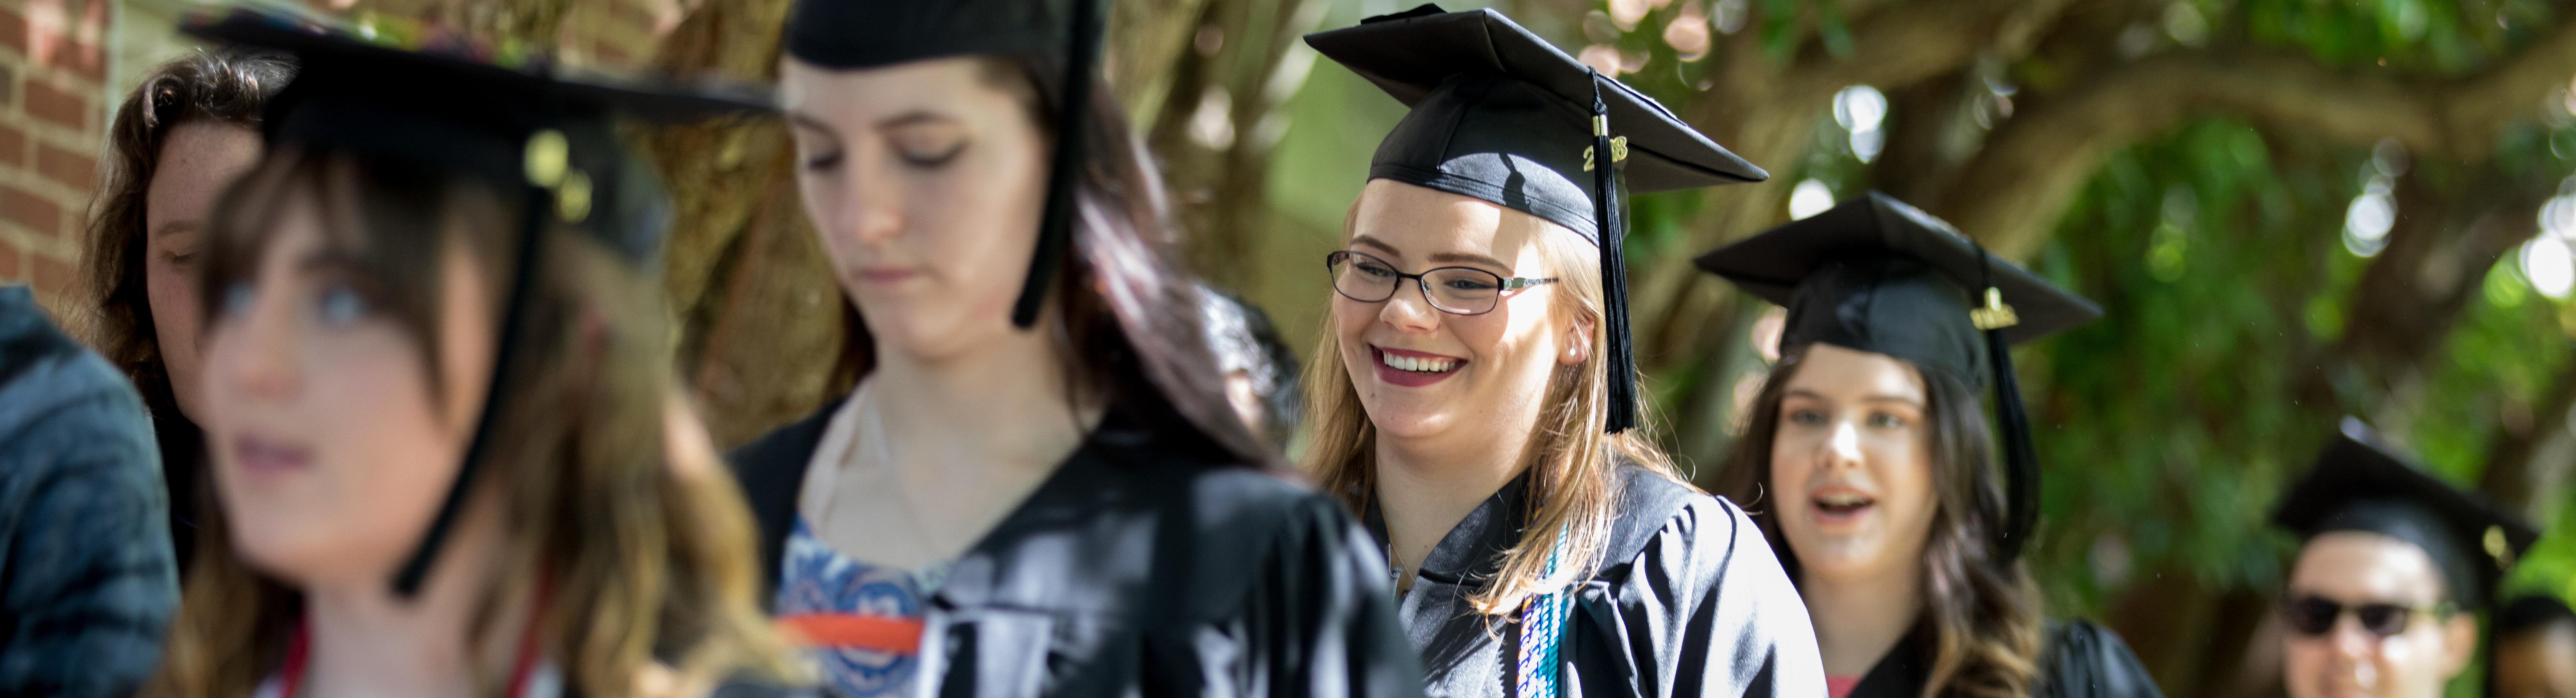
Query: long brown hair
point(221, 86)
point(641, 540)
point(1983, 619)
point(1128, 325)
point(1568, 460)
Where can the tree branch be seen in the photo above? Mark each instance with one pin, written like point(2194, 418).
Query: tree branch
point(2033, 165)
point(1904, 43)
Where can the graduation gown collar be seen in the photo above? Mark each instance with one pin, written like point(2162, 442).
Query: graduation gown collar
point(1472, 552)
point(1089, 480)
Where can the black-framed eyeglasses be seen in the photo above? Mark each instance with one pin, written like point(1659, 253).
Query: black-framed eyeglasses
point(2313, 615)
point(1454, 290)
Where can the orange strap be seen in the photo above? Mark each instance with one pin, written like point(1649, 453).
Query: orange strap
point(886, 634)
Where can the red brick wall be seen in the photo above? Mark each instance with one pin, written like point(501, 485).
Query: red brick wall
point(52, 126)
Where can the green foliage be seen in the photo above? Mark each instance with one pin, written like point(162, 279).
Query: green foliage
point(2440, 36)
point(2171, 423)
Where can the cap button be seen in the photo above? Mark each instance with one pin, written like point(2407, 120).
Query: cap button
point(547, 153)
point(2496, 548)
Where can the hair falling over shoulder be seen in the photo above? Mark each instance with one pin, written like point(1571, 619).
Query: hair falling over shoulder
point(1983, 619)
point(610, 498)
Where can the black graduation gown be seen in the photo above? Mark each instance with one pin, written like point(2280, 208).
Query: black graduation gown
point(1689, 601)
point(1144, 566)
point(2081, 660)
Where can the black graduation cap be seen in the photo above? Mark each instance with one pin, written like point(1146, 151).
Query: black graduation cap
point(2359, 484)
point(1877, 275)
point(1500, 115)
point(526, 128)
point(855, 34)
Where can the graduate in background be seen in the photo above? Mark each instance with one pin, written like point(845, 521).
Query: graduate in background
point(2534, 655)
point(1037, 487)
point(1260, 370)
point(447, 446)
point(2393, 566)
point(1474, 396)
point(181, 136)
point(1868, 461)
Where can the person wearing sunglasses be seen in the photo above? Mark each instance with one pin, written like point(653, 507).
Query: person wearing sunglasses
point(1474, 399)
point(2392, 567)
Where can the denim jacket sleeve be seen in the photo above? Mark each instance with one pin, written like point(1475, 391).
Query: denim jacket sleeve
point(87, 578)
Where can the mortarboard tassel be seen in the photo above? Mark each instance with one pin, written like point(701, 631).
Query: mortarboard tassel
point(1055, 230)
point(2021, 461)
point(1608, 219)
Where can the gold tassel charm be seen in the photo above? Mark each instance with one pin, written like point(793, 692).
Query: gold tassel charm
point(1995, 315)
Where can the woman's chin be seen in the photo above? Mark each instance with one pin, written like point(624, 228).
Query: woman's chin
point(1408, 422)
point(304, 561)
point(931, 340)
point(1840, 557)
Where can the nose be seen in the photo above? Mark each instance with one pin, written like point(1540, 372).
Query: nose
point(872, 204)
point(1409, 310)
point(1842, 448)
point(254, 352)
point(2353, 645)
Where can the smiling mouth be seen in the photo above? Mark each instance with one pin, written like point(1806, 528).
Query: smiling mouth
point(1418, 364)
point(1843, 504)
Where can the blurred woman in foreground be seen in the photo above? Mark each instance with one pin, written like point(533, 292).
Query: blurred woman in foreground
point(445, 442)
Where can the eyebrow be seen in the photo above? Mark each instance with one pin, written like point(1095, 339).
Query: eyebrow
point(177, 227)
point(913, 118)
point(818, 126)
point(1451, 257)
point(1813, 395)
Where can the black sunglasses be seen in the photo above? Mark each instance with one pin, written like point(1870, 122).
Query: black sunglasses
point(2313, 615)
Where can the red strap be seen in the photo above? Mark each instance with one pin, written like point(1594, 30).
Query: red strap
point(299, 649)
point(891, 635)
point(525, 664)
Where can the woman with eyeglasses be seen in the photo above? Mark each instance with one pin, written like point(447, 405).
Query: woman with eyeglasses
point(2393, 566)
point(1868, 458)
point(1473, 395)
point(1038, 487)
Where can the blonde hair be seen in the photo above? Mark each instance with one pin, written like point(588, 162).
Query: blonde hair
point(608, 500)
point(1569, 461)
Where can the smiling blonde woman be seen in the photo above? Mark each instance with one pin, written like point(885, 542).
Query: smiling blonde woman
point(1474, 399)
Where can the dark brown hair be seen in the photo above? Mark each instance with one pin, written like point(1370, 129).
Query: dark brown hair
point(1128, 326)
point(609, 497)
point(1983, 619)
point(215, 86)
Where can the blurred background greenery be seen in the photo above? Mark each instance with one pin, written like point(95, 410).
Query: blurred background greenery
point(2293, 210)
